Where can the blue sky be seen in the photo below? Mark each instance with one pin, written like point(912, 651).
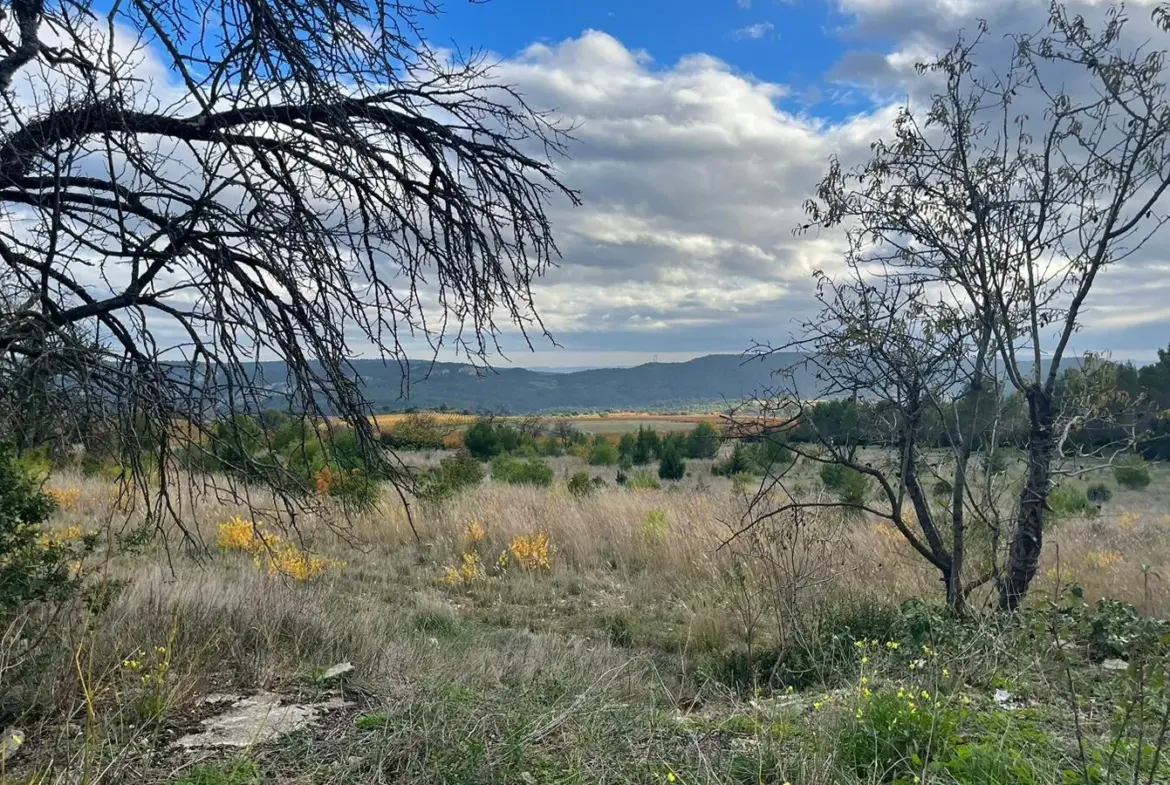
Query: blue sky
point(701, 127)
point(704, 125)
point(795, 42)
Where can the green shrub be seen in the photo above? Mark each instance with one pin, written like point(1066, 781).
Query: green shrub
point(1068, 501)
point(486, 439)
point(768, 455)
point(415, 432)
point(672, 466)
point(31, 570)
point(896, 736)
point(603, 454)
point(455, 473)
point(1099, 493)
point(645, 446)
point(739, 462)
point(626, 447)
point(833, 475)
point(990, 763)
point(522, 472)
point(580, 485)
point(1132, 472)
point(850, 485)
point(644, 481)
point(703, 441)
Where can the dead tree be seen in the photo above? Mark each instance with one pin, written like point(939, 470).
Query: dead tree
point(191, 188)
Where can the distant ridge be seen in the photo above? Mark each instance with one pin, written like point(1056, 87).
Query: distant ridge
point(715, 380)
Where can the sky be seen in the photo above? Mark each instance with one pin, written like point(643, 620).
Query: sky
point(702, 127)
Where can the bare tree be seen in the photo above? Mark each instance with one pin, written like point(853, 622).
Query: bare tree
point(189, 188)
point(914, 371)
point(1007, 197)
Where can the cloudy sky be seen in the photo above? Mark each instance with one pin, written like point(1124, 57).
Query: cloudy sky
point(702, 126)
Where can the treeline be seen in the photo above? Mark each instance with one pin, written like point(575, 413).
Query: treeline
point(1114, 403)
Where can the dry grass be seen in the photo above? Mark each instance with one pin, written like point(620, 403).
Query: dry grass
point(637, 599)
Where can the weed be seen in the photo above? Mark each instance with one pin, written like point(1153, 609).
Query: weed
point(236, 772)
point(377, 720)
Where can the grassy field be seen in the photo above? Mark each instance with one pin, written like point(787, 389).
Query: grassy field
point(526, 636)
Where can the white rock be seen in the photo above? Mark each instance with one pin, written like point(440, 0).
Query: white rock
point(1114, 665)
point(340, 669)
point(256, 720)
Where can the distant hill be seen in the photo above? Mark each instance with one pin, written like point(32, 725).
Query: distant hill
point(710, 382)
point(714, 380)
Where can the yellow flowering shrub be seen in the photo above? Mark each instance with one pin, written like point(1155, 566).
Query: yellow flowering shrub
point(532, 552)
point(66, 498)
point(271, 551)
point(1104, 559)
point(239, 534)
point(476, 533)
point(468, 571)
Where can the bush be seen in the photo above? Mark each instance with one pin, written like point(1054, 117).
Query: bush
point(354, 488)
point(454, 474)
point(851, 486)
point(643, 481)
point(33, 568)
point(893, 737)
point(833, 475)
point(486, 439)
point(672, 466)
point(645, 446)
point(580, 485)
point(603, 454)
point(739, 462)
point(703, 441)
point(415, 432)
point(1067, 501)
point(1132, 472)
point(517, 472)
point(768, 455)
point(461, 470)
point(1099, 493)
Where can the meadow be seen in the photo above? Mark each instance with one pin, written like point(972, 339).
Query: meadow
point(517, 634)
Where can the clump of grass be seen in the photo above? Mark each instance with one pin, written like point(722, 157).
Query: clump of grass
point(234, 772)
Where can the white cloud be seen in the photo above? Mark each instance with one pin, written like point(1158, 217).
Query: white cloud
point(754, 32)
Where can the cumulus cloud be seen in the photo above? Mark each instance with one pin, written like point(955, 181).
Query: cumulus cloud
point(693, 176)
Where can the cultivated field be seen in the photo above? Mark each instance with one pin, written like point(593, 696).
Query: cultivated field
point(527, 636)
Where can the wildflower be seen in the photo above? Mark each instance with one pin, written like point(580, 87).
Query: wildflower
point(864, 660)
point(946, 673)
point(475, 532)
point(891, 645)
point(817, 705)
point(925, 695)
point(670, 776)
point(532, 552)
point(469, 570)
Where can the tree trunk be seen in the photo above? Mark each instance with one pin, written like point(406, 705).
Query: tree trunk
point(1024, 556)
